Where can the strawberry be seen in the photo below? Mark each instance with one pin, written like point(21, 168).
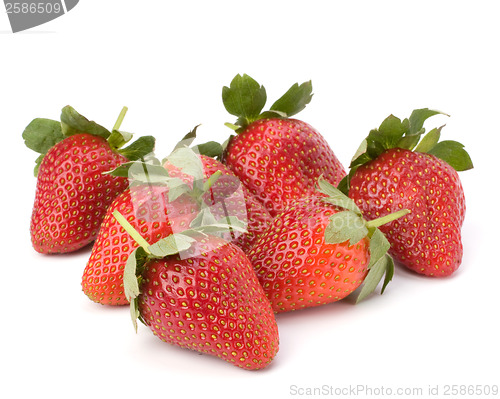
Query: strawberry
point(231, 198)
point(159, 203)
point(245, 206)
point(148, 210)
point(319, 250)
point(278, 158)
point(200, 292)
point(392, 170)
point(72, 194)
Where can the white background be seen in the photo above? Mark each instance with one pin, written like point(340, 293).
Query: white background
point(167, 61)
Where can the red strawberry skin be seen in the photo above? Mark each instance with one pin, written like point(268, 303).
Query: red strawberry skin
point(211, 303)
point(148, 210)
point(280, 160)
point(72, 194)
point(258, 219)
point(297, 268)
point(252, 210)
point(228, 197)
point(428, 239)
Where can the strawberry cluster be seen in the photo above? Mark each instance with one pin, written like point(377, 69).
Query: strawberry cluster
point(208, 244)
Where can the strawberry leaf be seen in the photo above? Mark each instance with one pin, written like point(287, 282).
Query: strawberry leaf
point(176, 188)
point(390, 132)
point(453, 153)
point(120, 171)
point(223, 225)
point(232, 126)
point(418, 117)
point(171, 245)
point(380, 263)
point(415, 128)
point(134, 312)
point(244, 98)
point(203, 218)
point(151, 172)
point(131, 281)
point(336, 197)
point(375, 145)
point(379, 245)
point(389, 272)
point(406, 134)
point(188, 162)
point(429, 140)
point(360, 151)
point(132, 269)
point(233, 223)
point(188, 139)
point(273, 114)
point(408, 142)
point(206, 223)
point(142, 172)
point(42, 134)
point(377, 271)
point(345, 226)
point(38, 162)
point(74, 123)
point(294, 100)
point(210, 149)
point(344, 184)
point(139, 149)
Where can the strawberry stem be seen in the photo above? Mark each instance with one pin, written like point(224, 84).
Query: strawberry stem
point(386, 219)
point(131, 231)
point(119, 121)
point(211, 181)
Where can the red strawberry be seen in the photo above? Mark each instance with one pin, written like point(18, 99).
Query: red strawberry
point(387, 175)
point(200, 292)
point(211, 303)
point(72, 193)
point(277, 158)
point(259, 219)
point(228, 196)
point(169, 203)
point(319, 250)
point(147, 209)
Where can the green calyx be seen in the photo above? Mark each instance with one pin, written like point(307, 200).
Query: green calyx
point(245, 99)
point(42, 134)
point(408, 134)
point(150, 171)
point(349, 225)
point(203, 225)
point(134, 267)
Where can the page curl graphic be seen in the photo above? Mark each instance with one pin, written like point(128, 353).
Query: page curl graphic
point(26, 14)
